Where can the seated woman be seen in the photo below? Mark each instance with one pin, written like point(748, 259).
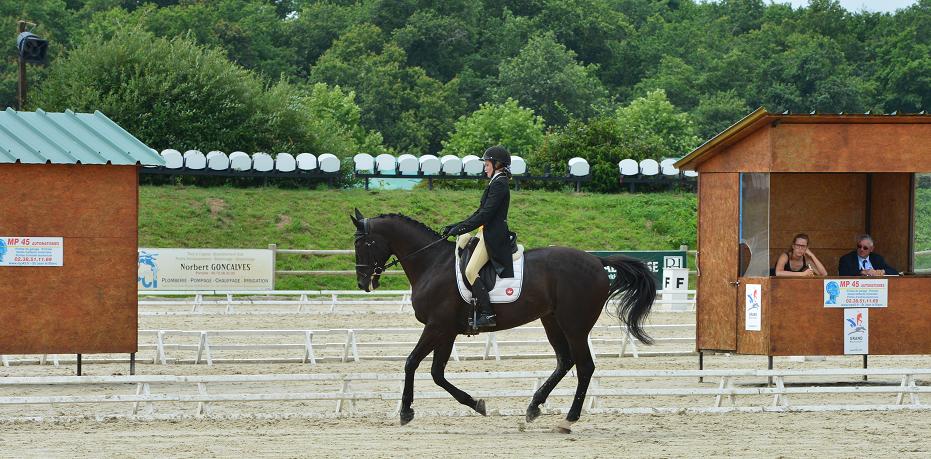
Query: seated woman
point(799, 261)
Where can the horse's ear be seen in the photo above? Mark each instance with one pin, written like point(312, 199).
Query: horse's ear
point(356, 222)
point(359, 215)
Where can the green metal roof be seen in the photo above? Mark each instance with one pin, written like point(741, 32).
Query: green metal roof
point(69, 138)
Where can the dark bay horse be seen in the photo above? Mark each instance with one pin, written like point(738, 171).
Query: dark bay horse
point(565, 288)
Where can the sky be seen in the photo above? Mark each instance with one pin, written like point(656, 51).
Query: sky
point(885, 6)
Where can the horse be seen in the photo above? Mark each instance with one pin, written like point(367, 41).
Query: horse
point(565, 288)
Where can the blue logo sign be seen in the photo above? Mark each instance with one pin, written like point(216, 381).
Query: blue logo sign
point(2, 249)
point(856, 325)
point(832, 289)
point(148, 269)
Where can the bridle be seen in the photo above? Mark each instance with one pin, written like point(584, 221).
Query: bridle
point(379, 268)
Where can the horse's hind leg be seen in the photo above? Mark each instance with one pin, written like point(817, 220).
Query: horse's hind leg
point(563, 363)
point(440, 359)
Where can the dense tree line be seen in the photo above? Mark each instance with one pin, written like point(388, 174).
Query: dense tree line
point(601, 79)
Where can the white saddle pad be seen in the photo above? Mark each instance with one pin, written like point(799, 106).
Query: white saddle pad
point(506, 290)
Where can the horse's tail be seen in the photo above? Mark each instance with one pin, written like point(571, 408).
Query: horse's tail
point(635, 290)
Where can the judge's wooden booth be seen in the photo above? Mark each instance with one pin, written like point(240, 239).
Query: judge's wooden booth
point(68, 234)
point(834, 177)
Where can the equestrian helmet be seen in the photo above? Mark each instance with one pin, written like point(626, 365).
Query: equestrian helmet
point(498, 154)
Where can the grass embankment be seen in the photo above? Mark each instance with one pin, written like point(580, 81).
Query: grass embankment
point(227, 217)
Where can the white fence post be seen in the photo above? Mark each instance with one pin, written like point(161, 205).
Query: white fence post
point(202, 406)
point(309, 348)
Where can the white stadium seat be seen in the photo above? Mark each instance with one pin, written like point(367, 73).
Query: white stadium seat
point(173, 159)
point(451, 164)
point(690, 173)
point(328, 162)
point(579, 167)
point(408, 164)
point(263, 162)
point(649, 167)
point(284, 162)
point(472, 165)
point(518, 165)
point(364, 162)
point(240, 161)
point(307, 162)
point(667, 167)
point(385, 163)
point(194, 159)
point(628, 167)
point(429, 165)
point(217, 161)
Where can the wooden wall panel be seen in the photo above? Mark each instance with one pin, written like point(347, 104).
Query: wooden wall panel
point(754, 342)
point(717, 261)
point(751, 154)
point(801, 325)
point(830, 208)
point(851, 147)
point(891, 218)
point(89, 305)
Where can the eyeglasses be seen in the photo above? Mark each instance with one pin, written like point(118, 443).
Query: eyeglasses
point(801, 246)
point(863, 247)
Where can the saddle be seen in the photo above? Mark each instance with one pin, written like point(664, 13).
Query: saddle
point(500, 290)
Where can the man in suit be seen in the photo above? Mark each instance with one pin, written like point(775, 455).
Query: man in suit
point(862, 261)
point(495, 238)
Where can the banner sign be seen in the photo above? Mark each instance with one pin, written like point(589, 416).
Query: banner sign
point(31, 251)
point(753, 306)
point(206, 269)
point(856, 293)
point(656, 260)
point(856, 331)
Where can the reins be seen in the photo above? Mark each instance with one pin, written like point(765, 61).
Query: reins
point(376, 269)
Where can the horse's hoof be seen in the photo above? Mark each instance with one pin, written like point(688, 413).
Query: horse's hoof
point(406, 416)
point(564, 427)
point(480, 407)
point(533, 412)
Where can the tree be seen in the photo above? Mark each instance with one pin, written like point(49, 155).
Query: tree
point(411, 110)
point(53, 23)
point(174, 93)
point(545, 77)
point(663, 131)
point(249, 31)
point(716, 112)
point(507, 124)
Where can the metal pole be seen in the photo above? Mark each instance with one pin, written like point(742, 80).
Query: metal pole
point(79, 364)
point(701, 364)
point(21, 94)
point(865, 359)
point(132, 364)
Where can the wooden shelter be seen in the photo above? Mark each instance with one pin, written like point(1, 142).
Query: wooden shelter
point(68, 180)
point(832, 176)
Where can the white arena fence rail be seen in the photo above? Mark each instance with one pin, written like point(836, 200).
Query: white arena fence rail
point(305, 301)
point(611, 391)
point(352, 345)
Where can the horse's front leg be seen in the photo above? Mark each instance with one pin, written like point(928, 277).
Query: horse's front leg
point(428, 341)
point(440, 359)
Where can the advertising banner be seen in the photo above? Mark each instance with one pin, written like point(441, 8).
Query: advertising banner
point(856, 331)
point(753, 306)
point(31, 251)
point(206, 269)
point(656, 260)
point(856, 293)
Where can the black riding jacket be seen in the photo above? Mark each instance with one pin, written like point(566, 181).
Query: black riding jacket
point(493, 214)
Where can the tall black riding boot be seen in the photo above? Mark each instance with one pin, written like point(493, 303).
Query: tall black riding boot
point(486, 315)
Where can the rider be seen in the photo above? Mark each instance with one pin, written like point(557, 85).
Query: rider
point(494, 236)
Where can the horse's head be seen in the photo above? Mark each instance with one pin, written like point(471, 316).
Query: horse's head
point(372, 252)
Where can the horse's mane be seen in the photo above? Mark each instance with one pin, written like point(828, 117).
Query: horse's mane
point(410, 220)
